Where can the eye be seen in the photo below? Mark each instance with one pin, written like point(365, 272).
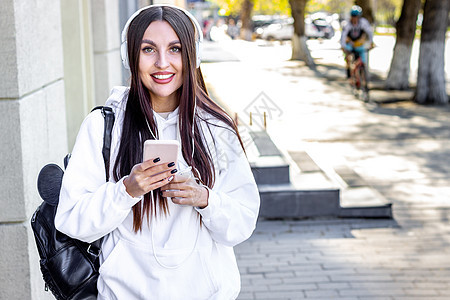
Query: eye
point(175, 49)
point(148, 50)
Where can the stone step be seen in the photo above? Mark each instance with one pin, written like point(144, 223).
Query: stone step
point(364, 202)
point(285, 192)
point(268, 165)
point(308, 195)
point(357, 198)
point(270, 170)
point(293, 185)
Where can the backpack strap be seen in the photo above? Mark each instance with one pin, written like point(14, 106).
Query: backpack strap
point(108, 114)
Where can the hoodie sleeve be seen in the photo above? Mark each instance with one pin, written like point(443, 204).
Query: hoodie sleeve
point(89, 207)
point(233, 202)
point(367, 28)
point(344, 34)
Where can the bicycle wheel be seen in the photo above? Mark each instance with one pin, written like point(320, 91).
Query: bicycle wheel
point(354, 80)
point(354, 83)
point(362, 73)
point(358, 77)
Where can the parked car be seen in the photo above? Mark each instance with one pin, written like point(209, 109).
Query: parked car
point(316, 26)
point(261, 23)
point(319, 25)
point(278, 31)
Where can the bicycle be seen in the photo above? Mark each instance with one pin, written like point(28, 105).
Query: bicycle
point(359, 77)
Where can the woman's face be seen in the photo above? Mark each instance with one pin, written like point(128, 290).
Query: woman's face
point(160, 63)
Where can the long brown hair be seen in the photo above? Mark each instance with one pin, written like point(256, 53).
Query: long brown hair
point(139, 109)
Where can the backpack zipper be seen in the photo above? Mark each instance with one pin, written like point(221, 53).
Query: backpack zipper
point(33, 219)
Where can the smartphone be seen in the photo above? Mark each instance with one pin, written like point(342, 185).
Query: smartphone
point(166, 150)
point(184, 174)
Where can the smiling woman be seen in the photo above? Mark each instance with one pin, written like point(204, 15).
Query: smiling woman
point(164, 236)
point(160, 65)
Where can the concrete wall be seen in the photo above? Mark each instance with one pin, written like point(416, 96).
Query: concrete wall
point(106, 41)
point(92, 64)
point(32, 131)
point(78, 63)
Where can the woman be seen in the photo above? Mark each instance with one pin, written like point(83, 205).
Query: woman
point(164, 237)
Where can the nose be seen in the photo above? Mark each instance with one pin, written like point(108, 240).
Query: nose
point(162, 61)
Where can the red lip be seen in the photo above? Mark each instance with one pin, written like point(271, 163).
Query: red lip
point(163, 81)
point(162, 73)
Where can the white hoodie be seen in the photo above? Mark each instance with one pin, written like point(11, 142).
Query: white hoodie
point(175, 258)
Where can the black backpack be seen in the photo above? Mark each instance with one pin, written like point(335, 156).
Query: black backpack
point(69, 266)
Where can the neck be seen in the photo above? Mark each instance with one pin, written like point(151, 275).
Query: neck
point(167, 104)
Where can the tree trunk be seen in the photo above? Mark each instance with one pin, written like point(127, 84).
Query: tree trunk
point(431, 75)
point(246, 19)
point(300, 50)
point(398, 77)
point(366, 6)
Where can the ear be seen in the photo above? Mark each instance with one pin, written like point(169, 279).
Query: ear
point(49, 183)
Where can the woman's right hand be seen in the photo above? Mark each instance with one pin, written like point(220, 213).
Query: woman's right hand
point(148, 176)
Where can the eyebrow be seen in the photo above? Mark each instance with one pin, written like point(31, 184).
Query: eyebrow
point(175, 42)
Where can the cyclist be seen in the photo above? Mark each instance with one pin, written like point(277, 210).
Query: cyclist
point(354, 36)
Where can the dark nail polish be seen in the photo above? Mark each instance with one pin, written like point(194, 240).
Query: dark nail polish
point(156, 160)
point(171, 164)
point(174, 171)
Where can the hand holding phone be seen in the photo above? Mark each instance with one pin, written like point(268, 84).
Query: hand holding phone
point(183, 175)
point(157, 169)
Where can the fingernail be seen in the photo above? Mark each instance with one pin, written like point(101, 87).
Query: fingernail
point(171, 164)
point(156, 160)
point(170, 178)
point(173, 171)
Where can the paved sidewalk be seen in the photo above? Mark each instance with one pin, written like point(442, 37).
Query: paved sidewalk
point(399, 148)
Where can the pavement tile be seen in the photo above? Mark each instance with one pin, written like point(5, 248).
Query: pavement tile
point(414, 297)
point(333, 286)
point(302, 277)
point(377, 291)
point(280, 295)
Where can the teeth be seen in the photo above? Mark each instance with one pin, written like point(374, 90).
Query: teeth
point(163, 76)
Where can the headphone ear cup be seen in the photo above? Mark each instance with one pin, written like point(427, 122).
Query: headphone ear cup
point(124, 55)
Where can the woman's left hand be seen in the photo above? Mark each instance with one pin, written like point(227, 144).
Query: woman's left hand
point(186, 192)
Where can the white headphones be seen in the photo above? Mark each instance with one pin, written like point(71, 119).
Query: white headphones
point(198, 40)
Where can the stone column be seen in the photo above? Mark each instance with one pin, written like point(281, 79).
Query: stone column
point(106, 40)
point(78, 63)
point(126, 9)
point(32, 133)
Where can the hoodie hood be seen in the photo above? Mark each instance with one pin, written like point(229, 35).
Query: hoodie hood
point(117, 98)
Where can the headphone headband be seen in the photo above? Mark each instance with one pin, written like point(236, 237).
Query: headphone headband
point(198, 39)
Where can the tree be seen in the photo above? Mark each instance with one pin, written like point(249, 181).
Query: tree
point(266, 7)
point(386, 11)
point(246, 19)
point(398, 77)
point(366, 6)
point(300, 50)
point(277, 7)
point(431, 74)
point(341, 7)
